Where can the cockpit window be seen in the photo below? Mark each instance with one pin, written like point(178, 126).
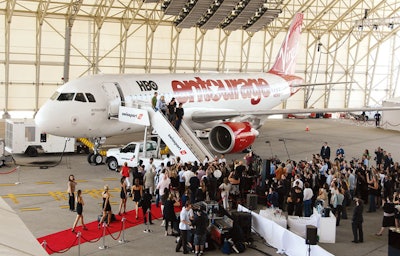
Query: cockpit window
point(54, 96)
point(80, 97)
point(90, 97)
point(66, 96)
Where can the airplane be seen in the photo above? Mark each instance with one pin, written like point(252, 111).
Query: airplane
point(233, 105)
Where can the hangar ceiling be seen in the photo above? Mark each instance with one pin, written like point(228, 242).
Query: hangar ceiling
point(48, 42)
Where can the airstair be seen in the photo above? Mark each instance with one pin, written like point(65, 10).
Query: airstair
point(184, 143)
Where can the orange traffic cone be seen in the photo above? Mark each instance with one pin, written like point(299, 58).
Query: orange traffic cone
point(307, 129)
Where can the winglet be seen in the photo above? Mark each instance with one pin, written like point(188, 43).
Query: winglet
point(285, 62)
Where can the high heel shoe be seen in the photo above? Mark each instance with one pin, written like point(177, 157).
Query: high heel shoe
point(85, 228)
point(73, 230)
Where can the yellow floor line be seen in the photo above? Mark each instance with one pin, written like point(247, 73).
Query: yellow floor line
point(44, 182)
point(7, 184)
point(110, 179)
point(30, 209)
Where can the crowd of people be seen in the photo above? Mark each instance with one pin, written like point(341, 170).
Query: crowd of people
point(334, 182)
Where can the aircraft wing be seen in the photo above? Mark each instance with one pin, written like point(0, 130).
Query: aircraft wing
point(16, 239)
point(207, 115)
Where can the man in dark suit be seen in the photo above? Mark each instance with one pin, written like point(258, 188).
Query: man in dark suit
point(325, 151)
point(357, 221)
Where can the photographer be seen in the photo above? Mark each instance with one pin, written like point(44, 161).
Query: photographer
point(200, 222)
point(184, 227)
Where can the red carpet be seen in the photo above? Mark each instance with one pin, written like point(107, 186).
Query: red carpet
point(61, 241)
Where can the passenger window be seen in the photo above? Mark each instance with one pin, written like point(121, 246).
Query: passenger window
point(90, 97)
point(80, 97)
point(66, 96)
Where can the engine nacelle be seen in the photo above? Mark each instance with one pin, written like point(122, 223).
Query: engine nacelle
point(231, 137)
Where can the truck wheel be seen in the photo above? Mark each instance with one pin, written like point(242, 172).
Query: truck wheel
point(90, 158)
point(112, 164)
point(31, 151)
point(98, 159)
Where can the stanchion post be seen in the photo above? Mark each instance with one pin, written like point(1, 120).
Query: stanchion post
point(122, 240)
point(78, 235)
point(18, 177)
point(104, 238)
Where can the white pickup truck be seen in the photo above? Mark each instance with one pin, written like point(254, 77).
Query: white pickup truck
point(132, 153)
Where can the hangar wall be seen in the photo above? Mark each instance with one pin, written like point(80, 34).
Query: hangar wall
point(332, 49)
point(391, 119)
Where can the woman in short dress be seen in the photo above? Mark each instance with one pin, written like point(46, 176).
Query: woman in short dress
point(123, 193)
point(388, 215)
point(79, 211)
point(137, 191)
point(106, 206)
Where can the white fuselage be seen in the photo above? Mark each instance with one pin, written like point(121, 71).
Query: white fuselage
point(71, 117)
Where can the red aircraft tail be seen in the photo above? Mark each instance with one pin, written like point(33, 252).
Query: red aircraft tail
point(285, 62)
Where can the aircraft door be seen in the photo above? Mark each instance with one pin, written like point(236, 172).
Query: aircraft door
point(115, 97)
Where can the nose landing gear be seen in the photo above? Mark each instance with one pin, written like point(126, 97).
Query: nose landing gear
point(96, 158)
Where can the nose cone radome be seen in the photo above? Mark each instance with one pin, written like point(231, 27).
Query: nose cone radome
point(46, 119)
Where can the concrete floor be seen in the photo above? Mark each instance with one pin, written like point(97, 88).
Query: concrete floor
point(41, 202)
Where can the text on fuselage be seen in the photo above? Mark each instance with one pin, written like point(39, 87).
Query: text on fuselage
point(199, 90)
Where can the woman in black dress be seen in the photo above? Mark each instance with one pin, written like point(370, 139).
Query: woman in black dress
point(79, 211)
point(137, 191)
point(388, 215)
point(106, 207)
point(122, 195)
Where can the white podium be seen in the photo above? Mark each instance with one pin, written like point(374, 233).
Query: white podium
point(326, 228)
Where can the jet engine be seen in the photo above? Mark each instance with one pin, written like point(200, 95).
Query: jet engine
point(231, 137)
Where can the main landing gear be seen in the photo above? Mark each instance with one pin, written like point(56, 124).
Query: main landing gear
point(96, 158)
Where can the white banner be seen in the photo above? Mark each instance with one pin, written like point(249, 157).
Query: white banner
point(134, 116)
point(282, 239)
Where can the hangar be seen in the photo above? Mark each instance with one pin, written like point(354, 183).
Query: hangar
point(47, 43)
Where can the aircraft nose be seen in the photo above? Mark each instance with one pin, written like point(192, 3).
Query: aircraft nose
point(44, 119)
point(39, 119)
